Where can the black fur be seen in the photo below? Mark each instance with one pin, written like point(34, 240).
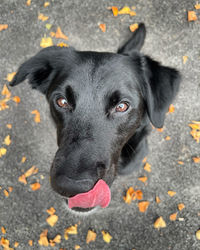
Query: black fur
point(96, 142)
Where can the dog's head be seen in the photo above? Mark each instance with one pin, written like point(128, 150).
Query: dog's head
point(98, 102)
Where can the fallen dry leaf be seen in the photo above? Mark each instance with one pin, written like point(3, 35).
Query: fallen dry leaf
point(171, 193)
point(5, 91)
point(59, 34)
point(173, 217)
point(102, 26)
point(196, 159)
point(7, 140)
point(185, 58)
point(198, 234)
point(159, 223)
point(43, 241)
point(10, 189)
point(52, 219)
point(115, 10)
point(181, 206)
point(192, 16)
point(16, 244)
point(3, 27)
point(144, 160)
point(3, 230)
point(180, 162)
point(106, 236)
point(46, 4)
point(138, 195)
point(6, 193)
point(2, 151)
point(147, 167)
point(55, 241)
point(9, 126)
point(35, 186)
point(129, 195)
point(91, 236)
point(126, 10)
point(195, 132)
point(62, 45)
point(42, 17)
point(23, 159)
point(171, 108)
point(30, 242)
point(46, 42)
point(143, 205)
point(31, 171)
point(160, 129)
point(158, 200)
point(16, 99)
point(142, 179)
point(167, 138)
point(133, 27)
point(10, 76)
point(51, 210)
point(22, 179)
point(28, 2)
point(70, 230)
point(48, 26)
point(197, 6)
point(37, 115)
point(77, 247)
point(4, 243)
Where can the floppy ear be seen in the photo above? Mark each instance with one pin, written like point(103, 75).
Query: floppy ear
point(160, 86)
point(41, 69)
point(135, 43)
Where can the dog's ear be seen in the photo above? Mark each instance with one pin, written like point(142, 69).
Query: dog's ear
point(159, 88)
point(41, 69)
point(135, 43)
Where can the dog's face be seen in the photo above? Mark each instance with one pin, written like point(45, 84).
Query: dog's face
point(98, 102)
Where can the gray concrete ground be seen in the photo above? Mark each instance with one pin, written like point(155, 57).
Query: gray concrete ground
point(170, 37)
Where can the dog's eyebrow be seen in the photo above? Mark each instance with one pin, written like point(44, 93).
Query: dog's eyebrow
point(70, 95)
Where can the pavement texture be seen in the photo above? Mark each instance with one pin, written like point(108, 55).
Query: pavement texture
point(169, 37)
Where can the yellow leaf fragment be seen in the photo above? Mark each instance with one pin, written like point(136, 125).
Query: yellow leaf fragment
point(159, 223)
point(7, 140)
point(59, 34)
point(158, 200)
point(48, 26)
point(180, 206)
point(142, 179)
point(16, 99)
point(16, 244)
point(6, 193)
point(143, 205)
point(3, 230)
point(37, 115)
point(198, 234)
point(52, 219)
point(22, 179)
point(173, 217)
point(35, 186)
point(51, 210)
point(2, 151)
point(62, 45)
point(180, 162)
point(4, 243)
point(195, 132)
point(31, 171)
point(70, 230)
point(106, 236)
point(126, 10)
point(171, 193)
point(9, 126)
point(42, 17)
point(23, 159)
point(133, 27)
point(46, 4)
point(10, 189)
point(167, 138)
point(46, 42)
point(6, 92)
point(196, 159)
point(91, 236)
point(171, 108)
point(129, 195)
point(28, 2)
point(30, 242)
point(102, 26)
point(43, 241)
point(144, 160)
point(77, 247)
point(197, 6)
point(147, 167)
point(3, 27)
point(10, 76)
point(57, 240)
point(185, 58)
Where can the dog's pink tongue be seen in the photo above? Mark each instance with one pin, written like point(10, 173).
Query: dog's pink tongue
point(98, 196)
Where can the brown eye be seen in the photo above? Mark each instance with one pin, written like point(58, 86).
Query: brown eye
point(122, 107)
point(62, 102)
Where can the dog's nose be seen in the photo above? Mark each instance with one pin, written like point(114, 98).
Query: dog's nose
point(69, 187)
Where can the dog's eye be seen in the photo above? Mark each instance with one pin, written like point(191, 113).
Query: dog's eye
point(122, 107)
point(62, 102)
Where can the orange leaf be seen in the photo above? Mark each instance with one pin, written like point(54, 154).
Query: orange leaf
point(22, 179)
point(180, 162)
point(91, 236)
point(133, 27)
point(102, 26)
point(172, 217)
point(181, 206)
point(171, 193)
point(43, 241)
point(157, 199)
point(35, 186)
point(42, 17)
point(160, 129)
point(197, 6)
point(126, 10)
point(10, 189)
point(3, 230)
point(30, 242)
point(192, 16)
point(159, 223)
point(52, 219)
point(9, 126)
point(167, 138)
point(23, 159)
point(171, 108)
point(51, 211)
point(62, 45)
point(147, 167)
point(16, 244)
point(144, 160)
point(129, 195)
point(16, 99)
point(143, 205)
point(59, 34)
point(196, 159)
point(10, 76)
point(77, 247)
point(3, 27)
point(37, 115)
point(5, 91)
point(31, 171)
point(142, 179)
point(46, 4)
point(6, 193)
point(4, 243)
point(114, 10)
point(28, 2)
point(138, 194)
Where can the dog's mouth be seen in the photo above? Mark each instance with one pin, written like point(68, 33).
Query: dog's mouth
point(99, 195)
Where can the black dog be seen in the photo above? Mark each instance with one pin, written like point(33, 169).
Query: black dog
point(102, 104)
